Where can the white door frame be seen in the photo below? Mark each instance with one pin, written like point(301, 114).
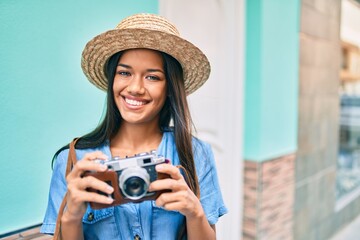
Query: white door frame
point(217, 28)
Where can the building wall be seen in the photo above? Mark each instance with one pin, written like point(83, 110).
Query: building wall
point(45, 99)
point(271, 86)
point(350, 27)
point(271, 115)
point(315, 202)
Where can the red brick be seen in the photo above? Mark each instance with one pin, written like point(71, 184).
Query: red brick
point(269, 201)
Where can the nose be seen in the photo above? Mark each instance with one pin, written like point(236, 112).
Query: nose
point(136, 86)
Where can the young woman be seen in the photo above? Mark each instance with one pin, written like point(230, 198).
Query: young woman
point(147, 70)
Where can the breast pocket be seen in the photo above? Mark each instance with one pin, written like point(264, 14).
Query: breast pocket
point(100, 224)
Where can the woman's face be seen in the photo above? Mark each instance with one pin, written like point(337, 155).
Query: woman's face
point(140, 86)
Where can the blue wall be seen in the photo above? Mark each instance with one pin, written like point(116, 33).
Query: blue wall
point(45, 99)
point(271, 80)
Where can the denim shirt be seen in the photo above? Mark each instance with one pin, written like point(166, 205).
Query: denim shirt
point(144, 219)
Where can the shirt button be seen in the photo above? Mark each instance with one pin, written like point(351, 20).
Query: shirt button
point(137, 237)
point(90, 217)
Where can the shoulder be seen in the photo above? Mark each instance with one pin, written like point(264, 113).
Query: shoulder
point(60, 161)
point(200, 146)
point(203, 158)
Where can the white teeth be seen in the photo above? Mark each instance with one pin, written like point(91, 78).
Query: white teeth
point(134, 102)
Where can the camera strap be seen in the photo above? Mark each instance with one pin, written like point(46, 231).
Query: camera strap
point(70, 163)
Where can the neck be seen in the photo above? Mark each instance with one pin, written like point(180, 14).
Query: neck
point(134, 138)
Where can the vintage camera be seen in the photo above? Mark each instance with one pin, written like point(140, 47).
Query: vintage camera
point(130, 177)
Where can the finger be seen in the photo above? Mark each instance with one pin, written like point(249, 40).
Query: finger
point(186, 208)
point(96, 184)
point(86, 165)
point(168, 183)
point(174, 206)
point(166, 198)
point(84, 196)
point(173, 171)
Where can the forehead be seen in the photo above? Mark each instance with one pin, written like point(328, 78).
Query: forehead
point(147, 56)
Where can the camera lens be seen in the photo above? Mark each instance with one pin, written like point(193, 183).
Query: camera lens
point(135, 186)
point(134, 182)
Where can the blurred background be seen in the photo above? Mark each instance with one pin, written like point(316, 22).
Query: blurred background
point(281, 108)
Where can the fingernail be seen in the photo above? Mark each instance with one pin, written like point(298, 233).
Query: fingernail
point(110, 189)
point(110, 200)
point(103, 167)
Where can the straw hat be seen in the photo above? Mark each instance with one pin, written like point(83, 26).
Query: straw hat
point(145, 31)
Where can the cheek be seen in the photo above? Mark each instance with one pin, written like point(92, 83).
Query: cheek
point(117, 88)
point(162, 96)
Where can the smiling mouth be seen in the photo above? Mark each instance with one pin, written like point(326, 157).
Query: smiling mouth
point(134, 102)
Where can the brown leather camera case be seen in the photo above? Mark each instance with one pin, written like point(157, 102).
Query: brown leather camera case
point(111, 178)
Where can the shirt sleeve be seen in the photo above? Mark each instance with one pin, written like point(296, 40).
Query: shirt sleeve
point(56, 193)
point(210, 193)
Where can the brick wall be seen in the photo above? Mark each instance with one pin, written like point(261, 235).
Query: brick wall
point(268, 199)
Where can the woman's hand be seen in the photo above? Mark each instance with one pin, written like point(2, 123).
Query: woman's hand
point(77, 185)
point(181, 198)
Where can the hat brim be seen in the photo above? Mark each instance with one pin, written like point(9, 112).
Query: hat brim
point(196, 67)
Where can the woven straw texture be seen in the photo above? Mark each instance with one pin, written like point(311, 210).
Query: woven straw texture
point(145, 31)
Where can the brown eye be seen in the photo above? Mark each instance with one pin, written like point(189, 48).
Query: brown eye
point(123, 73)
point(153, 78)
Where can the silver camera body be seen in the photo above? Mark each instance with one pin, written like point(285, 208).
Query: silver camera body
point(136, 173)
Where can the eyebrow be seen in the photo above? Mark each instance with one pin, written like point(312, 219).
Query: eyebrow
point(148, 70)
point(124, 65)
